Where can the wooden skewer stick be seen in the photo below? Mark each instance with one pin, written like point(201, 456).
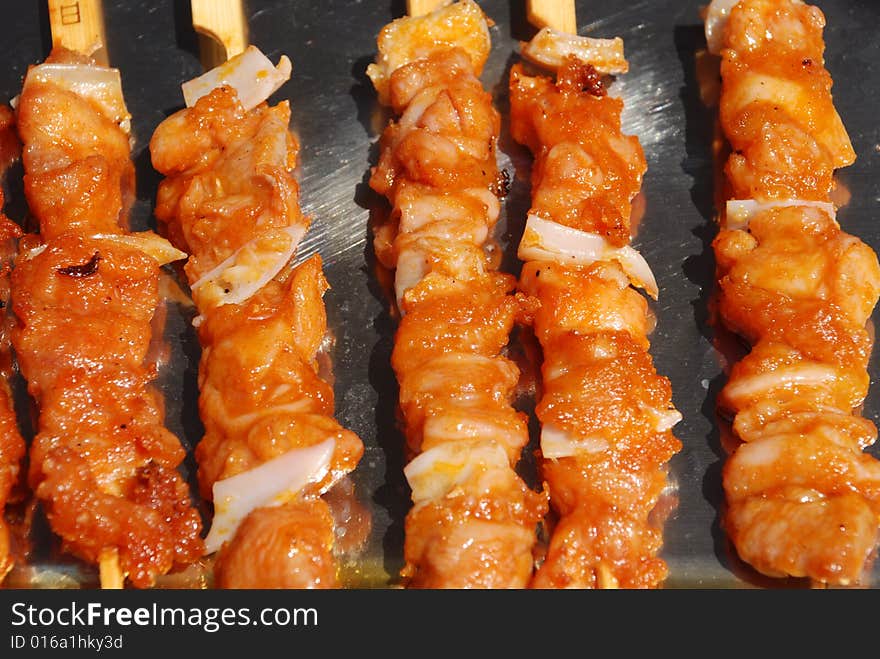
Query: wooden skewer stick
point(557, 14)
point(222, 30)
point(112, 577)
point(422, 7)
point(605, 579)
point(79, 25)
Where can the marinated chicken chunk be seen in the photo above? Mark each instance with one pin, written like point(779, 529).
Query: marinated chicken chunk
point(473, 520)
point(801, 495)
point(605, 413)
point(84, 293)
point(230, 199)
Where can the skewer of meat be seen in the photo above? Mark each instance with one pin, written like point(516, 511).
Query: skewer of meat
point(606, 415)
point(802, 497)
point(12, 446)
point(473, 520)
point(84, 292)
point(271, 446)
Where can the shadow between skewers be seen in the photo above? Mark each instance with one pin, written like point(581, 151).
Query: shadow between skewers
point(699, 268)
point(394, 494)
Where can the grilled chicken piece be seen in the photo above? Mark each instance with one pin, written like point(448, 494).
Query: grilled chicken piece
point(473, 520)
point(230, 199)
point(12, 446)
point(801, 493)
point(776, 108)
point(800, 290)
point(605, 413)
point(84, 294)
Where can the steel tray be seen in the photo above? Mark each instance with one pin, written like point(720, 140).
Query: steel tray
point(338, 120)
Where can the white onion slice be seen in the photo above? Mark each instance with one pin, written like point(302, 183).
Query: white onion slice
point(741, 211)
point(662, 420)
point(551, 47)
point(716, 20)
point(411, 269)
point(271, 484)
point(437, 471)
point(463, 424)
point(550, 241)
point(98, 84)
point(34, 252)
point(250, 73)
point(556, 443)
point(755, 385)
point(148, 242)
point(666, 419)
point(248, 269)
point(232, 423)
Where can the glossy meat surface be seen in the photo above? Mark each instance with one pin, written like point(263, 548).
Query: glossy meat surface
point(586, 171)
point(473, 520)
point(605, 412)
point(229, 188)
point(12, 446)
point(102, 462)
point(801, 495)
point(776, 107)
point(289, 546)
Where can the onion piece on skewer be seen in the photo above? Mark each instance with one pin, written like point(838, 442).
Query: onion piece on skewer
point(740, 211)
point(753, 386)
point(551, 48)
point(148, 242)
point(556, 443)
point(716, 19)
point(98, 84)
point(271, 484)
point(438, 471)
point(247, 269)
point(545, 240)
point(251, 74)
